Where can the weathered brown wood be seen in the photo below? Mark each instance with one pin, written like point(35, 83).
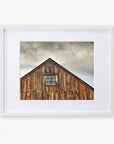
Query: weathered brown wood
point(28, 88)
point(84, 92)
point(21, 89)
point(68, 86)
point(40, 89)
point(81, 91)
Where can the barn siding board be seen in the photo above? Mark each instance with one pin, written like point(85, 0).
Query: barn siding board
point(68, 86)
point(21, 89)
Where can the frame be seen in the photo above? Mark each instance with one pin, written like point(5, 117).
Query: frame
point(12, 36)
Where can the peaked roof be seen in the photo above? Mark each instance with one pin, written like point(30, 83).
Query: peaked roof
point(51, 60)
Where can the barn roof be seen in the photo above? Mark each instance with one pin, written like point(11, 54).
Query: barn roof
point(51, 60)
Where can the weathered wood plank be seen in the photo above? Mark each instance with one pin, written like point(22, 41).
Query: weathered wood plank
point(81, 91)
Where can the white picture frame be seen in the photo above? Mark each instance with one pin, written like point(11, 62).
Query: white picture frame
point(15, 34)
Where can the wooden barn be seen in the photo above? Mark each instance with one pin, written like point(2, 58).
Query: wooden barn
point(51, 81)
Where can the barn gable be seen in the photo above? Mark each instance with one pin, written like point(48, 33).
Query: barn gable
point(51, 81)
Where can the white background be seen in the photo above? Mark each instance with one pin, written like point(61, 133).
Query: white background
point(80, 130)
point(102, 45)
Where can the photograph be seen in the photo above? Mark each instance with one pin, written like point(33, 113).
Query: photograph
point(56, 70)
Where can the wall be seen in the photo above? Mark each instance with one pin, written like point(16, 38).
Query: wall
point(65, 130)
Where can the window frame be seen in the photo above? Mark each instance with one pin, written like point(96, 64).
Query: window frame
point(51, 79)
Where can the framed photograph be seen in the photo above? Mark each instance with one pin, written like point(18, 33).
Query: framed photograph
point(62, 71)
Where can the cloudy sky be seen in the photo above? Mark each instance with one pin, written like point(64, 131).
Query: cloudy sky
point(77, 57)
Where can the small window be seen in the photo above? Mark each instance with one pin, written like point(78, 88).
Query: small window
point(46, 70)
point(50, 70)
point(50, 80)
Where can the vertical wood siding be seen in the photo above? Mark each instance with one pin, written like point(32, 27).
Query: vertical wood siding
point(68, 87)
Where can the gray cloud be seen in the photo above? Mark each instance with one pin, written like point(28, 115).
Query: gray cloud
point(79, 54)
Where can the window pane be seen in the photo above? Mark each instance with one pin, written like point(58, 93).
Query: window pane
point(51, 78)
point(54, 82)
point(47, 83)
point(47, 78)
point(51, 82)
